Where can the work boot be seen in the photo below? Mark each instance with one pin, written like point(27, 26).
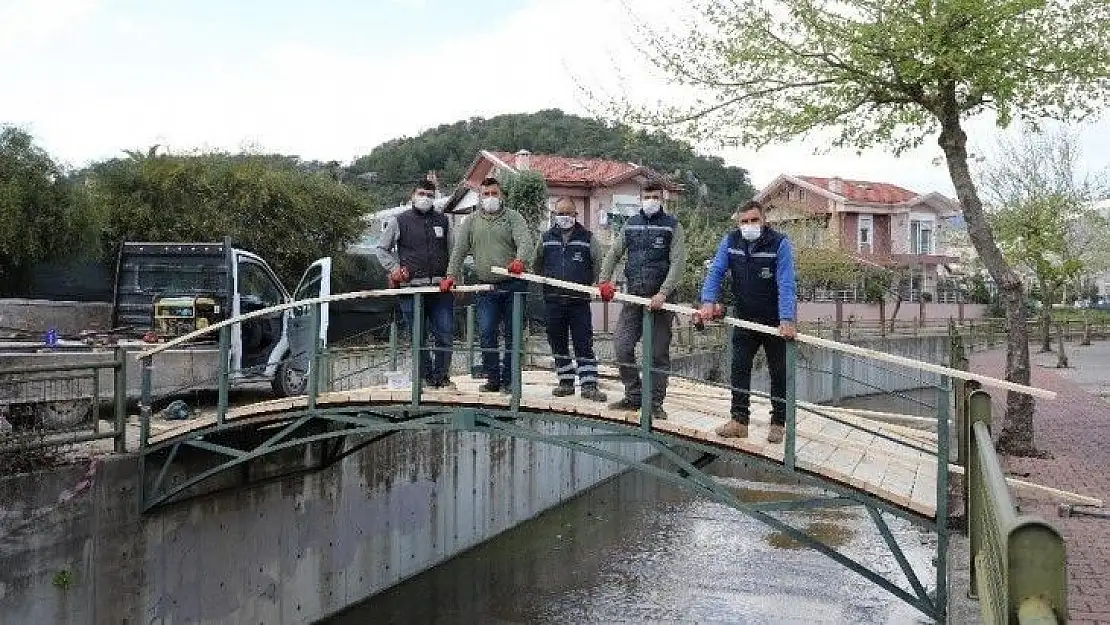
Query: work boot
point(657, 413)
point(490, 387)
point(775, 433)
point(625, 404)
point(592, 393)
point(563, 390)
point(732, 429)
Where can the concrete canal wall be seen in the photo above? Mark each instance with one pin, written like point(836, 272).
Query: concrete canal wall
point(74, 549)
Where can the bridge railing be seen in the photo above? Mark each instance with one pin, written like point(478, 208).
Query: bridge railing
point(1018, 561)
point(313, 363)
point(50, 406)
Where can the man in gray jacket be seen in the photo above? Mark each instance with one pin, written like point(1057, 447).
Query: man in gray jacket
point(414, 249)
point(656, 249)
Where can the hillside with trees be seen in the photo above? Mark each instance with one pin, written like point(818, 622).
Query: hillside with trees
point(391, 168)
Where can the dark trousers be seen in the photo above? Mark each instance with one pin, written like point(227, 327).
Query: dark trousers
point(571, 316)
point(630, 328)
point(745, 344)
point(495, 312)
point(439, 322)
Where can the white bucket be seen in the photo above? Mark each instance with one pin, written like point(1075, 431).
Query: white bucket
point(397, 380)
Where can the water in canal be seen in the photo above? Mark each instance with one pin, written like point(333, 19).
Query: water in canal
point(635, 550)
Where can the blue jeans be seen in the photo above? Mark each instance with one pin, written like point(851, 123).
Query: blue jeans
point(495, 310)
point(439, 321)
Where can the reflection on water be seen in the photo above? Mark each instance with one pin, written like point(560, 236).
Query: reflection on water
point(635, 550)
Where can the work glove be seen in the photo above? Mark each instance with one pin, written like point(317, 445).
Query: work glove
point(516, 267)
point(398, 276)
point(446, 284)
point(606, 290)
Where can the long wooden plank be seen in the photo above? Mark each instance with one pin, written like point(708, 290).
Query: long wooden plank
point(846, 348)
point(338, 297)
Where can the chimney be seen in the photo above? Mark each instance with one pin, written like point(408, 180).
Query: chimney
point(523, 160)
point(836, 185)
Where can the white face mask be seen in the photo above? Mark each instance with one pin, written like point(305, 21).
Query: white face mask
point(564, 221)
point(651, 207)
point(491, 204)
point(422, 203)
point(751, 232)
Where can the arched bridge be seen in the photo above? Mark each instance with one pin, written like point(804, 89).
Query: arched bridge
point(887, 464)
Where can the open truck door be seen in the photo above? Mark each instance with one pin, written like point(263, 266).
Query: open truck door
point(255, 343)
point(292, 374)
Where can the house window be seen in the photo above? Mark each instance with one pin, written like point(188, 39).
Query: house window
point(921, 236)
point(796, 193)
point(865, 234)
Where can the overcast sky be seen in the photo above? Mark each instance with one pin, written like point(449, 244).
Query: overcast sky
point(332, 79)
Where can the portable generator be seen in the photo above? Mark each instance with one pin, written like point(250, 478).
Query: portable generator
point(176, 315)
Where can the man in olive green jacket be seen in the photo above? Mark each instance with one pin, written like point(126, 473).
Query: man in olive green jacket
point(497, 237)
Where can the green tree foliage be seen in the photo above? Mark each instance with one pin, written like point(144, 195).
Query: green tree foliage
point(267, 204)
point(888, 73)
point(526, 193)
point(392, 167)
point(41, 218)
point(1041, 208)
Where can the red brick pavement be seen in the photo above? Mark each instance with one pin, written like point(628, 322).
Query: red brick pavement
point(1075, 430)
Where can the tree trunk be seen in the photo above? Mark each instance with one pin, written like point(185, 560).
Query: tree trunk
point(1046, 318)
point(897, 304)
point(1017, 426)
point(1086, 328)
point(1061, 356)
point(882, 316)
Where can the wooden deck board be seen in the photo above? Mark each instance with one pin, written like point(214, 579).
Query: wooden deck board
point(858, 459)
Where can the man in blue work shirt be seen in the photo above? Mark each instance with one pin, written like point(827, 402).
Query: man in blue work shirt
point(761, 262)
point(571, 253)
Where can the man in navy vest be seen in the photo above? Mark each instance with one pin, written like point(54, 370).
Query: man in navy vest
point(414, 249)
point(761, 263)
point(656, 249)
point(571, 253)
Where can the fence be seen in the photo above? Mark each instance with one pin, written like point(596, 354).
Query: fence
point(50, 406)
point(1018, 562)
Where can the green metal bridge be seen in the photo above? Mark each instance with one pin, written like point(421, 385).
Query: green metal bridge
point(890, 465)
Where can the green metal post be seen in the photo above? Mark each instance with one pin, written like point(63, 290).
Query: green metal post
point(120, 391)
point(790, 441)
point(95, 408)
point(145, 401)
point(470, 339)
point(944, 397)
point(646, 348)
point(515, 356)
point(393, 344)
point(145, 406)
point(222, 382)
point(314, 358)
point(417, 346)
point(979, 410)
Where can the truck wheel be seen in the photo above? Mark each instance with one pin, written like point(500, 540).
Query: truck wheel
point(288, 381)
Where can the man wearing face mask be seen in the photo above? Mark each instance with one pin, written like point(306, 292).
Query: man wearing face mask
point(497, 237)
point(656, 248)
point(570, 252)
point(761, 262)
point(414, 249)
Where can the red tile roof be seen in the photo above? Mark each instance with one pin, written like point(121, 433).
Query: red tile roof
point(576, 171)
point(864, 191)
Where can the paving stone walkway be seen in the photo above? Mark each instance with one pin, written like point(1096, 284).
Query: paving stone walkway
point(1074, 430)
